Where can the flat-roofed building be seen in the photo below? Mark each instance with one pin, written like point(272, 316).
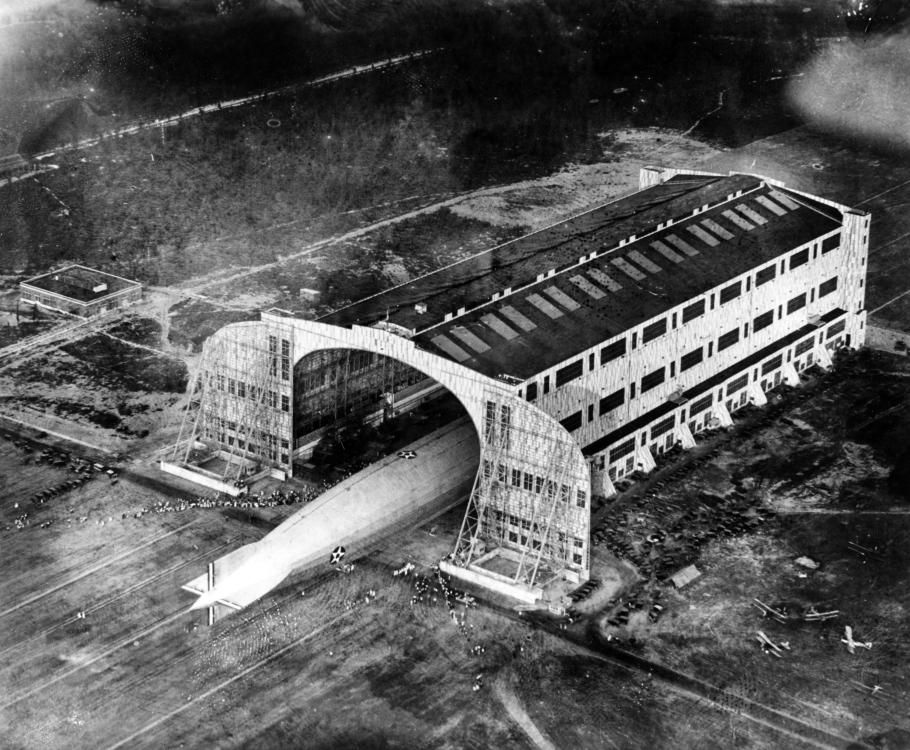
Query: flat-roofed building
point(581, 351)
point(79, 290)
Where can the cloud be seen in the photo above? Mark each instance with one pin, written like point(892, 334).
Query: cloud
point(859, 89)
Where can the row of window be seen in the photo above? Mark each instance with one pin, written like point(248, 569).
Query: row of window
point(497, 424)
point(516, 538)
point(618, 398)
point(575, 369)
point(759, 323)
point(733, 291)
point(523, 523)
point(690, 359)
point(658, 376)
point(325, 374)
point(266, 437)
point(518, 529)
point(531, 482)
point(242, 389)
point(700, 405)
point(284, 361)
point(227, 432)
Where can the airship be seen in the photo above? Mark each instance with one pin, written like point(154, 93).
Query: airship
point(404, 489)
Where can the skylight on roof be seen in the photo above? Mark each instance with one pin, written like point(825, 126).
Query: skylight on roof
point(644, 262)
point(627, 268)
point(784, 199)
point(773, 207)
point(469, 338)
point(751, 214)
point(547, 308)
point(561, 298)
point(608, 281)
point(491, 321)
point(587, 287)
point(716, 228)
point(450, 348)
point(680, 244)
point(735, 218)
point(518, 319)
point(708, 239)
point(669, 254)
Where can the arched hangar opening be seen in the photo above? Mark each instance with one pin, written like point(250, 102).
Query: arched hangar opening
point(352, 406)
point(269, 392)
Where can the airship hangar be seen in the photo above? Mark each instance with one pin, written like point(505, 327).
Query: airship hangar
point(580, 353)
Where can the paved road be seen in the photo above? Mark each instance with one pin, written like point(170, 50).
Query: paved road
point(162, 122)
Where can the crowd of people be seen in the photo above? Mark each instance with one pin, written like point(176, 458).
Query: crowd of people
point(430, 591)
point(255, 500)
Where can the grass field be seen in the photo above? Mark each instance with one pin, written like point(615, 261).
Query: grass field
point(821, 471)
point(366, 658)
point(316, 198)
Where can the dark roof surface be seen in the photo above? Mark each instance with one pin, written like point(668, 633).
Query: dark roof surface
point(475, 279)
point(582, 305)
point(78, 283)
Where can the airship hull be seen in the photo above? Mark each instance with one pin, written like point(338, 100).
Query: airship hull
point(355, 514)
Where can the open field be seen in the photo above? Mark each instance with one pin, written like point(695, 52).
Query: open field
point(809, 482)
point(315, 198)
point(368, 657)
point(98, 649)
point(109, 378)
point(339, 665)
point(122, 380)
point(505, 97)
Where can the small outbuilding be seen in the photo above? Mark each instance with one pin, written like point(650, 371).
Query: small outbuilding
point(685, 576)
point(79, 290)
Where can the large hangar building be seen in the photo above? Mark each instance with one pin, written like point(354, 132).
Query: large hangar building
point(580, 352)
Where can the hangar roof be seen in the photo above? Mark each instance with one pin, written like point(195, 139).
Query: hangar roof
point(588, 279)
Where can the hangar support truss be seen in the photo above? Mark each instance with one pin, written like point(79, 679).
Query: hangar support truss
point(528, 514)
point(240, 403)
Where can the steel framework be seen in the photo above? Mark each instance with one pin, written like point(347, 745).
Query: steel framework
point(526, 510)
point(527, 515)
point(240, 403)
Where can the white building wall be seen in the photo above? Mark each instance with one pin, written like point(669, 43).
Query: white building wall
point(543, 448)
point(855, 246)
point(535, 439)
point(534, 436)
point(847, 264)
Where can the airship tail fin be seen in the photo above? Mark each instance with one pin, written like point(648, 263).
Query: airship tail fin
point(236, 580)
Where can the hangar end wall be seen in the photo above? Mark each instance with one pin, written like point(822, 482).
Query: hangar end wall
point(531, 497)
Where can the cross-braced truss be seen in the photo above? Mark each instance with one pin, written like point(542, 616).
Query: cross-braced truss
point(528, 513)
point(240, 406)
point(523, 501)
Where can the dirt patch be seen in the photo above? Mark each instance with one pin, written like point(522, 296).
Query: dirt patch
point(125, 367)
point(113, 381)
point(193, 321)
point(810, 481)
point(534, 204)
point(99, 362)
